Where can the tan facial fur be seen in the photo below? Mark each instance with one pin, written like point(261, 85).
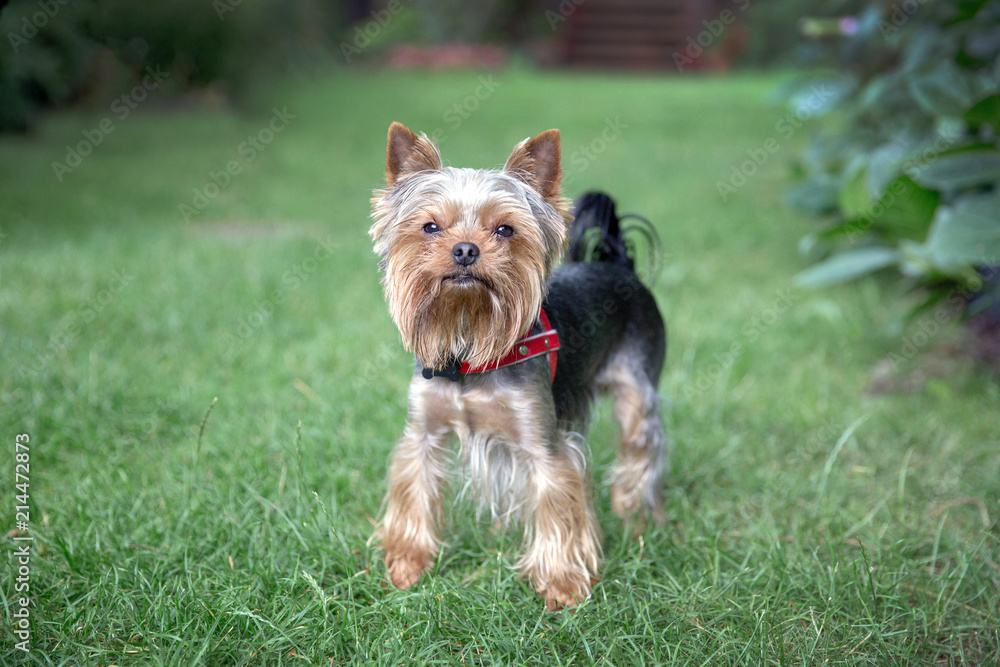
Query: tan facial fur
point(481, 318)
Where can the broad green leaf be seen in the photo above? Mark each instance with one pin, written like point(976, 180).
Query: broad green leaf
point(967, 232)
point(959, 170)
point(844, 229)
point(944, 90)
point(917, 261)
point(816, 195)
point(846, 266)
point(883, 91)
point(985, 111)
point(905, 210)
point(854, 200)
point(883, 168)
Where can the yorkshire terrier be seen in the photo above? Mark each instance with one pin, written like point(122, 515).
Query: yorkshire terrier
point(510, 354)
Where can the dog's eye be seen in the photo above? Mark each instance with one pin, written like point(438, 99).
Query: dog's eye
point(504, 231)
point(431, 228)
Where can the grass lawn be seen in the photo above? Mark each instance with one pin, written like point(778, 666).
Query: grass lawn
point(809, 521)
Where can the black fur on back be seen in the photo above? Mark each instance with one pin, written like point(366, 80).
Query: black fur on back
point(601, 309)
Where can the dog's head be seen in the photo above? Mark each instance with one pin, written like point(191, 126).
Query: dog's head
point(467, 253)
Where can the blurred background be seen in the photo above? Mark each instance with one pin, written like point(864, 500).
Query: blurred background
point(78, 52)
point(65, 52)
point(901, 175)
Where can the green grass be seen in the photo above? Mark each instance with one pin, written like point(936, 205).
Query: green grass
point(809, 522)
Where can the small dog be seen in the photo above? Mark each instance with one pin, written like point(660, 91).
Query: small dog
point(469, 259)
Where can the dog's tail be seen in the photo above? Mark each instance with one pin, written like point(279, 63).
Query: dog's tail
point(598, 234)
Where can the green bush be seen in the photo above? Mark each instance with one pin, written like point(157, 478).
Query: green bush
point(44, 60)
point(906, 174)
point(61, 50)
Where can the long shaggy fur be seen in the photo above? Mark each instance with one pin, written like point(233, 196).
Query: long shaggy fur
point(519, 431)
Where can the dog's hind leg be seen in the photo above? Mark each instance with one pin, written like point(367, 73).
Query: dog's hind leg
point(642, 447)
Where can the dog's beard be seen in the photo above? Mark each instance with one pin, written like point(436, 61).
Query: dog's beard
point(464, 316)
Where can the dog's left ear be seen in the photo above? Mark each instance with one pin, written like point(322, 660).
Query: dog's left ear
point(537, 162)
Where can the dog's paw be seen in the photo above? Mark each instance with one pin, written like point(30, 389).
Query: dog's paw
point(405, 568)
point(565, 593)
point(629, 505)
point(624, 500)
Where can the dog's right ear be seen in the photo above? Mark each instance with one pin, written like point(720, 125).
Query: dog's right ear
point(407, 153)
point(537, 162)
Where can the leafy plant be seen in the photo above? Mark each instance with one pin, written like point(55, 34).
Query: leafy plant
point(43, 61)
point(61, 52)
point(907, 173)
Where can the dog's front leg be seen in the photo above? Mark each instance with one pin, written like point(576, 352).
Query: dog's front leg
point(564, 546)
point(409, 530)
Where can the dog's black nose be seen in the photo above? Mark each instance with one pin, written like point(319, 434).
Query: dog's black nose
point(465, 253)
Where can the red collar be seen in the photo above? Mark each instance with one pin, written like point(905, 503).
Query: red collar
point(528, 346)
